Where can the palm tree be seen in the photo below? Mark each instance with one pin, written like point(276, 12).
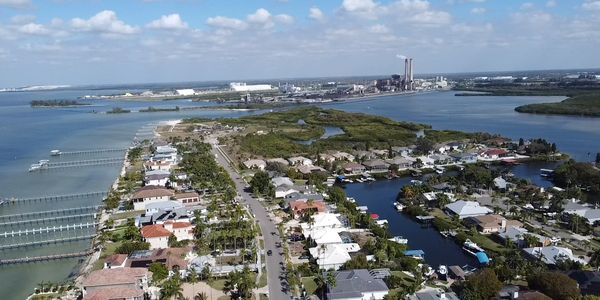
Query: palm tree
point(595, 259)
point(321, 283)
point(193, 279)
point(171, 289)
point(201, 296)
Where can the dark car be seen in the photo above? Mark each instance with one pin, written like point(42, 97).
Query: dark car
point(269, 252)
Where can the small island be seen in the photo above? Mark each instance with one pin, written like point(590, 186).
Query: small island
point(118, 110)
point(581, 105)
point(56, 103)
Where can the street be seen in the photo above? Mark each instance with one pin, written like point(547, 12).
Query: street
point(278, 288)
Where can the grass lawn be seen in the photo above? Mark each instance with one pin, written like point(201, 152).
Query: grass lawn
point(45, 296)
point(126, 215)
point(218, 284)
point(263, 297)
point(262, 281)
point(486, 243)
point(309, 285)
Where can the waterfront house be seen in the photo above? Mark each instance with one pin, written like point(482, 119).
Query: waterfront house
point(155, 207)
point(255, 164)
point(188, 198)
point(441, 159)
point(115, 261)
point(434, 295)
point(444, 187)
point(300, 207)
point(321, 237)
point(309, 169)
point(352, 168)
point(402, 162)
point(552, 255)
point(426, 161)
point(278, 160)
point(330, 256)
point(172, 215)
point(339, 156)
point(430, 198)
point(500, 183)
point(324, 157)
point(172, 258)
point(517, 235)
point(158, 165)
point(300, 160)
point(357, 284)
point(150, 194)
point(574, 207)
point(488, 224)
point(322, 221)
point(157, 235)
point(464, 209)
point(157, 180)
point(376, 166)
point(464, 158)
point(119, 283)
point(493, 154)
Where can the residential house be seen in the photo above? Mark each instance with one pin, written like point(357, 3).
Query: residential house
point(517, 235)
point(172, 258)
point(573, 207)
point(488, 224)
point(589, 281)
point(552, 254)
point(309, 169)
point(402, 151)
point(321, 237)
point(434, 295)
point(500, 183)
point(166, 153)
point(157, 235)
point(430, 198)
point(158, 165)
point(300, 207)
point(352, 168)
point(115, 261)
point(426, 161)
point(150, 194)
point(357, 284)
point(339, 156)
point(493, 154)
point(281, 181)
point(278, 160)
point(119, 283)
point(285, 190)
point(330, 256)
point(189, 198)
point(365, 155)
point(322, 221)
point(300, 160)
point(155, 207)
point(255, 164)
point(324, 157)
point(376, 166)
point(402, 162)
point(157, 180)
point(442, 159)
point(464, 209)
point(464, 158)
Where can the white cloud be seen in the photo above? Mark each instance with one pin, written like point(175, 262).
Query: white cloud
point(168, 22)
point(16, 3)
point(316, 14)
point(33, 29)
point(591, 5)
point(22, 19)
point(478, 10)
point(227, 23)
point(551, 3)
point(527, 5)
point(379, 28)
point(261, 16)
point(470, 29)
point(359, 5)
point(105, 22)
point(265, 19)
point(433, 18)
point(284, 19)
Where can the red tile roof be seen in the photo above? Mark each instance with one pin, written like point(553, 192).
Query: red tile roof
point(299, 206)
point(114, 293)
point(154, 231)
point(119, 276)
point(116, 259)
point(151, 191)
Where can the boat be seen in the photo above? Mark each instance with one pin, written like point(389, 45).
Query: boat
point(351, 200)
point(382, 222)
point(546, 172)
point(34, 167)
point(55, 153)
point(416, 182)
point(399, 240)
point(445, 233)
point(416, 254)
point(439, 169)
point(472, 248)
point(428, 271)
point(442, 270)
point(369, 179)
point(43, 162)
point(399, 206)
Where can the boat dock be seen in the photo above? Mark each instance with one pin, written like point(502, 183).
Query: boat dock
point(47, 230)
point(45, 242)
point(44, 258)
point(79, 163)
point(57, 212)
point(85, 152)
point(55, 198)
point(47, 220)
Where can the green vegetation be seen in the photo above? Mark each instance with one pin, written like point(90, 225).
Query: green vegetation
point(55, 103)
point(581, 105)
point(118, 110)
point(154, 109)
point(159, 272)
point(556, 285)
point(578, 174)
point(240, 284)
point(482, 286)
point(261, 184)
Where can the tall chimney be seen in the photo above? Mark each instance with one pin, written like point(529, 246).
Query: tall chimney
point(410, 79)
point(406, 70)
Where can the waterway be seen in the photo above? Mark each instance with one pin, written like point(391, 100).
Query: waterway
point(27, 135)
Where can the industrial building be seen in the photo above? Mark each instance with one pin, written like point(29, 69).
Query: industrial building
point(243, 87)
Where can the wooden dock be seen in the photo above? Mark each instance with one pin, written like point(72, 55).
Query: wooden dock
point(46, 242)
point(96, 151)
point(33, 259)
point(48, 229)
point(57, 197)
point(47, 220)
point(57, 212)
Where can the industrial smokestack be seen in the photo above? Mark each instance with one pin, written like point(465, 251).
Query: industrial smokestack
point(410, 78)
point(406, 73)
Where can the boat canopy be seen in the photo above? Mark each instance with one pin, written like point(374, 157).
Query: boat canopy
point(414, 253)
point(482, 258)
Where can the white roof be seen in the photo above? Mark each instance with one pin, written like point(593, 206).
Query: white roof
point(165, 205)
point(330, 254)
point(468, 208)
point(325, 236)
point(165, 149)
point(552, 254)
point(157, 172)
point(279, 181)
point(324, 220)
point(254, 163)
point(500, 183)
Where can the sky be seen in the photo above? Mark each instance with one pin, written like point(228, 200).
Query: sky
point(45, 42)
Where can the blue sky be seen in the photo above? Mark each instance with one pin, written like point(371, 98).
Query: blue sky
point(127, 41)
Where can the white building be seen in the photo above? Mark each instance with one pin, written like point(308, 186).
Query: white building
point(330, 256)
point(322, 221)
point(157, 235)
point(243, 87)
point(186, 92)
point(552, 254)
point(150, 194)
point(464, 209)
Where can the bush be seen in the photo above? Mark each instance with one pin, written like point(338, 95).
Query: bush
point(556, 285)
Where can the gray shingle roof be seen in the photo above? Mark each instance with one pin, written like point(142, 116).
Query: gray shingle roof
point(354, 283)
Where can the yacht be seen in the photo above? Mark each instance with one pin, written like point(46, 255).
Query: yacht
point(399, 206)
point(43, 162)
point(472, 248)
point(399, 240)
point(34, 167)
point(442, 270)
point(55, 153)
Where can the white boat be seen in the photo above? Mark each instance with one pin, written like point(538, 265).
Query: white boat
point(399, 240)
point(369, 179)
point(399, 206)
point(428, 271)
point(55, 153)
point(416, 182)
point(351, 200)
point(472, 248)
point(34, 167)
point(43, 162)
point(381, 222)
point(442, 270)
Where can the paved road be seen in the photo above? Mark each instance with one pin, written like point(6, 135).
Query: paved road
point(278, 288)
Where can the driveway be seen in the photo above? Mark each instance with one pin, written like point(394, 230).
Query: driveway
point(278, 288)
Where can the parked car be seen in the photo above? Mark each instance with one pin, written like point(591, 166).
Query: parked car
point(269, 252)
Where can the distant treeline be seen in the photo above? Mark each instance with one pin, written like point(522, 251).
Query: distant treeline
point(55, 103)
point(153, 109)
point(582, 105)
point(118, 110)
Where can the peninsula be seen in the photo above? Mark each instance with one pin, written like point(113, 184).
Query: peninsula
point(581, 105)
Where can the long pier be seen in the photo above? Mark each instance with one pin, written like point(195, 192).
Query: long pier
point(53, 241)
point(46, 220)
point(48, 229)
point(77, 163)
point(96, 151)
point(38, 214)
point(45, 258)
point(57, 197)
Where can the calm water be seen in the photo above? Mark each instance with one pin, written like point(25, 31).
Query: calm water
point(27, 135)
